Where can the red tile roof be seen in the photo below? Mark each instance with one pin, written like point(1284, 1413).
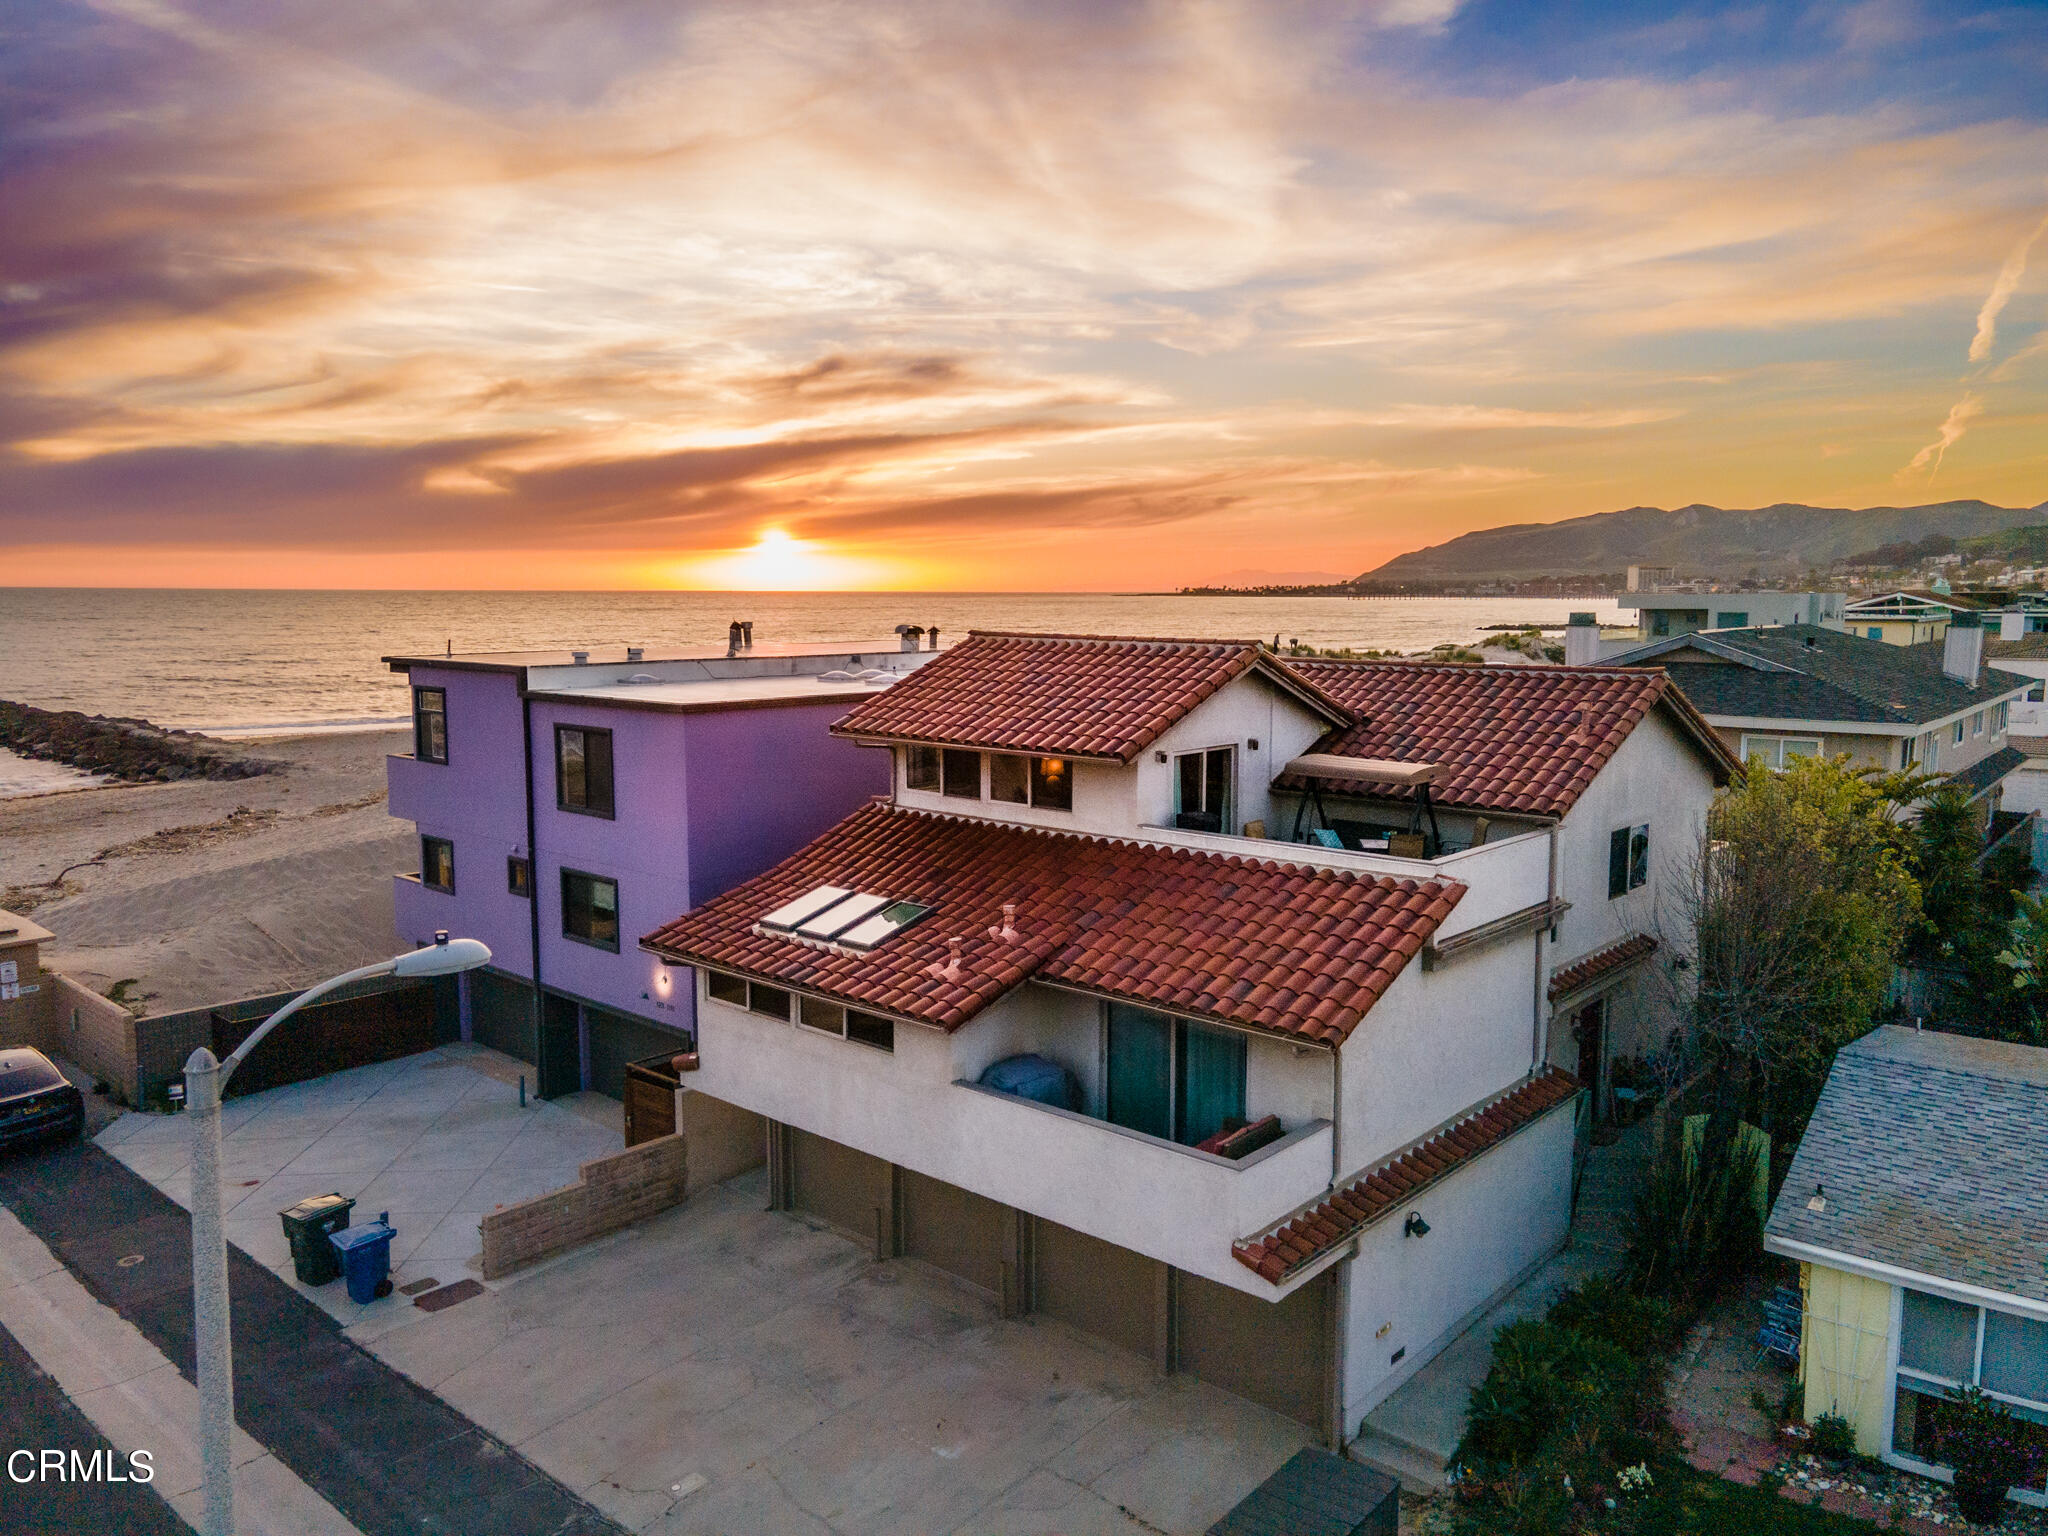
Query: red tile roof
point(1067, 695)
point(1392, 1186)
point(1506, 739)
point(1265, 943)
point(1581, 974)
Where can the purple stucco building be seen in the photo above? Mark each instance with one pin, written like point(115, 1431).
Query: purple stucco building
point(571, 801)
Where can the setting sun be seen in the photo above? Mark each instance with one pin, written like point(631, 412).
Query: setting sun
point(778, 561)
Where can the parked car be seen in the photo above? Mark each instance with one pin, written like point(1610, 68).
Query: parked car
point(36, 1102)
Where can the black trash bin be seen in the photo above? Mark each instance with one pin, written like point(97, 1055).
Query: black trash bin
point(306, 1228)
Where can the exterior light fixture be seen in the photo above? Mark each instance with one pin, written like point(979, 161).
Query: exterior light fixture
point(1415, 1226)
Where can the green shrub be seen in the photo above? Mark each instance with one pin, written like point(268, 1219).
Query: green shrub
point(1603, 1308)
point(1546, 1382)
point(1697, 1227)
point(1834, 1437)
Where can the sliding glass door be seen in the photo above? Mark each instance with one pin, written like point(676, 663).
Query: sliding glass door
point(1171, 1078)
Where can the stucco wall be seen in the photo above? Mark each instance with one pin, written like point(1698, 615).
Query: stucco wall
point(1488, 1225)
point(1845, 1351)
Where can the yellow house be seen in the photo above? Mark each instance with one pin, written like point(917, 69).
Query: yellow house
point(1917, 1211)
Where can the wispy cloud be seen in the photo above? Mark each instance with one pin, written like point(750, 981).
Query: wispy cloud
point(2002, 289)
point(1952, 429)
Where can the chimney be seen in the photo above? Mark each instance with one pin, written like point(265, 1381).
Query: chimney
point(733, 632)
point(746, 634)
point(581, 658)
point(933, 633)
point(635, 653)
point(1962, 649)
point(2012, 626)
point(908, 636)
point(1582, 641)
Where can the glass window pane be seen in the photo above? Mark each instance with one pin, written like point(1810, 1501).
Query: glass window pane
point(1052, 783)
point(871, 1029)
point(1009, 779)
point(816, 1013)
point(1140, 1058)
point(1801, 746)
point(772, 1001)
point(921, 768)
point(1190, 767)
point(1639, 858)
point(597, 770)
point(1216, 786)
point(569, 768)
point(727, 988)
point(2016, 1356)
point(1211, 1085)
point(1938, 1336)
point(1617, 862)
point(963, 774)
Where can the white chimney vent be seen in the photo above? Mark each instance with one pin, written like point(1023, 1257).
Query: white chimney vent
point(1962, 649)
point(581, 658)
point(1008, 932)
point(1582, 641)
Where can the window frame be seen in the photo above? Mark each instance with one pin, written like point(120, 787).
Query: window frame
point(1175, 1064)
point(1775, 759)
point(426, 865)
point(618, 908)
point(420, 751)
point(1956, 738)
point(1977, 723)
point(951, 758)
point(999, 763)
point(1054, 790)
point(922, 770)
point(1929, 1384)
point(1225, 814)
point(519, 876)
point(610, 810)
point(1628, 860)
point(712, 976)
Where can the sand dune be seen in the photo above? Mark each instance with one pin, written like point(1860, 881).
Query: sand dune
point(200, 892)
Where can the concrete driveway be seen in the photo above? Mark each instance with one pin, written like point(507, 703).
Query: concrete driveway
point(722, 1368)
point(436, 1139)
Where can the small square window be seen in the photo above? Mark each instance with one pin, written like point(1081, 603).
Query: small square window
point(437, 864)
point(1957, 735)
point(871, 1029)
point(816, 1013)
point(583, 770)
point(770, 1002)
point(590, 909)
point(724, 987)
point(1977, 723)
point(519, 876)
point(921, 768)
point(430, 725)
point(1052, 783)
point(1009, 779)
point(963, 774)
point(1628, 860)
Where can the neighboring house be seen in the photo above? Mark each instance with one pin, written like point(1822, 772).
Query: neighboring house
point(1073, 1016)
point(1804, 691)
point(1917, 1210)
point(1660, 616)
point(568, 801)
point(1917, 615)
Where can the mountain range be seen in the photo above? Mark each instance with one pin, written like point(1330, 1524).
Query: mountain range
point(1698, 540)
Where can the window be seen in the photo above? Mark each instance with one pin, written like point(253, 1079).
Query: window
point(583, 770)
point(1173, 1079)
point(816, 1013)
point(1957, 736)
point(870, 1029)
point(1875, 632)
point(1944, 1344)
point(769, 1002)
point(1202, 785)
point(1999, 716)
point(437, 864)
point(1977, 723)
point(430, 724)
point(1628, 860)
point(519, 876)
point(1009, 779)
point(1780, 751)
point(962, 773)
point(724, 987)
point(1660, 624)
point(1731, 621)
point(1052, 784)
point(590, 909)
point(921, 768)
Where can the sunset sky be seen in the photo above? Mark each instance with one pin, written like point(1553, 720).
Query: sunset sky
point(606, 293)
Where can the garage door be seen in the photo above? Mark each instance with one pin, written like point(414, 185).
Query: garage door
point(501, 1013)
point(1276, 1354)
point(839, 1185)
point(617, 1038)
point(955, 1230)
point(1095, 1286)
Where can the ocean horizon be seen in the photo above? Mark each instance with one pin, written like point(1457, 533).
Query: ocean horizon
point(243, 662)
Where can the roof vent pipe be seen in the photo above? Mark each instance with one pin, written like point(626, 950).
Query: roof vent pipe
point(908, 636)
point(733, 632)
point(746, 634)
point(934, 633)
point(636, 653)
point(1962, 649)
point(950, 971)
point(1582, 641)
point(1008, 932)
point(581, 658)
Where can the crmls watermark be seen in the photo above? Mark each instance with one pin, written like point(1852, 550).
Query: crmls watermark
point(54, 1466)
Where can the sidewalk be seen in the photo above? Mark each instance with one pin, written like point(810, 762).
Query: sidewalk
point(338, 1442)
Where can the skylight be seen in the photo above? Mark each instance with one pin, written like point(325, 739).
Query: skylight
point(805, 907)
point(840, 916)
point(891, 920)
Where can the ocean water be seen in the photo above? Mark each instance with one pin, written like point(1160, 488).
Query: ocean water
point(247, 663)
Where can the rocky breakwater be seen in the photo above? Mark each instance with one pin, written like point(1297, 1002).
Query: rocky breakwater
point(134, 750)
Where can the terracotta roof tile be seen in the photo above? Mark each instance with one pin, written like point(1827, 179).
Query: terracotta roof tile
point(1522, 740)
point(1581, 974)
point(1072, 695)
point(1380, 1191)
point(1149, 924)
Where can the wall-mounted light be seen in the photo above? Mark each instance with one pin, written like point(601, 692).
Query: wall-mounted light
point(1415, 1226)
point(1158, 757)
point(1252, 745)
point(662, 980)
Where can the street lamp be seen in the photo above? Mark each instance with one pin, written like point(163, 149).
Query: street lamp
point(205, 1077)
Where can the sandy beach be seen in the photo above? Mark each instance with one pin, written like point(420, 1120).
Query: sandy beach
point(201, 892)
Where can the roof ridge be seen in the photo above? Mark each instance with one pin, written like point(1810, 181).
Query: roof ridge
point(1075, 638)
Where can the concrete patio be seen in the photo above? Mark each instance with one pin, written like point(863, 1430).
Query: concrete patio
point(436, 1139)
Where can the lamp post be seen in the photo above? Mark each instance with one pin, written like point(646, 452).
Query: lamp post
point(205, 1077)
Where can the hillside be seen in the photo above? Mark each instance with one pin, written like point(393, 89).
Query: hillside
point(1698, 540)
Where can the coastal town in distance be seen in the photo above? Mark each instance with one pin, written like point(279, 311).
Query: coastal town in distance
point(1126, 771)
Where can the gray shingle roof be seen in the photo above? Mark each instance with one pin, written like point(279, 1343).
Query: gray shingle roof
point(1932, 1151)
point(1805, 672)
point(1987, 771)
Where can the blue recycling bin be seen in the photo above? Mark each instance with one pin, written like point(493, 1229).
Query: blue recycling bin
point(365, 1254)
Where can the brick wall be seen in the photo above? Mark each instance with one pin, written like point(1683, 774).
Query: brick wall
point(612, 1192)
point(95, 1032)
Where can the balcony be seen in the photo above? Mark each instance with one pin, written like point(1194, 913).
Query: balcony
point(417, 791)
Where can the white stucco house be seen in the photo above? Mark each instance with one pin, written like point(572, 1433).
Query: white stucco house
point(1221, 1006)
